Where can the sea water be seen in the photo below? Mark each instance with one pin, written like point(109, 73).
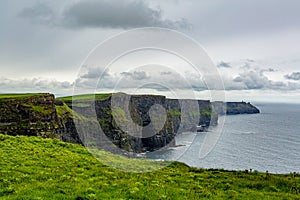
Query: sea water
point(269, 141)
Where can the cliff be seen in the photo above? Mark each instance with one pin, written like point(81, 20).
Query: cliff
point(119, 124)
point(156, 118)
point(234, 108)
point(43, 115)
point(29, 114)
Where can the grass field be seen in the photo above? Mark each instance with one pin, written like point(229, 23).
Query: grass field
point(35, 168)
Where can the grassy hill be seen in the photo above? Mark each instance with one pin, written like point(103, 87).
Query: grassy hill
point(35, 168)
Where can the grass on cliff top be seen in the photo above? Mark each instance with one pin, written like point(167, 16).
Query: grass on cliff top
point(21, 95)
point(35, 168)
point(84, 97)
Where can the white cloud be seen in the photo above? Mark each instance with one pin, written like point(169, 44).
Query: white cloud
point(249, 77)
point(252, 76)
point(34, 85)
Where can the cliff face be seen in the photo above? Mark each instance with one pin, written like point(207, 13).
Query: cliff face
point(156, 131)
point(196, 112)
point(43, 115)
point(33, 115)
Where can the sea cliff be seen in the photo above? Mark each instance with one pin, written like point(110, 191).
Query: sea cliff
point(49, 117)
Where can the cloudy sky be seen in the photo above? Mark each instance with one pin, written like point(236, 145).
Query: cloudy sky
point(254, 44)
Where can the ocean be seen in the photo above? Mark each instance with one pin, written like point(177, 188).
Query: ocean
point(269, 141)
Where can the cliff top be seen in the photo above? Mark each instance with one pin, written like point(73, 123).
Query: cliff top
point(21, 95)
point(101, 96)
point(84, 97)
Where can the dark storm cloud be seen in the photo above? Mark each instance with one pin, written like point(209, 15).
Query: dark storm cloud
point(116, 14)
point(103, 14)
point(293, 76)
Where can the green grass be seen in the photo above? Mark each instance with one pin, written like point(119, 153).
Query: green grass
point(21, 95)
point(38, 108)
point(84, 97)
point(120, 114)
point(35, 168)
point(194, 113)
point(65, 111)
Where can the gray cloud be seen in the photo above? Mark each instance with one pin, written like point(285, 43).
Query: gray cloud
point(252, 80)
point(255, 79)
point(166, 73)
point(268, 70)
point(250, 60)
point(38, 13)
point(146, 78)
point(103, 14)
point(232, 30)
point(93, 77)
point(156, 87)
point(293, 76)
point(117, 14)
point(224, 64)
point(136, 75)
point(249, 78)
point(235, 17)
point(95, 73)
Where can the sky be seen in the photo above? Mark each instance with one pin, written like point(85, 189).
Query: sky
point(44, 46)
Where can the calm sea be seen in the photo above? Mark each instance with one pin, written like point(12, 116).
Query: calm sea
point(266, 141)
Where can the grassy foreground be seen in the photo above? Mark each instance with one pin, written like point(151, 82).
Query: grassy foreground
point(35, 168)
